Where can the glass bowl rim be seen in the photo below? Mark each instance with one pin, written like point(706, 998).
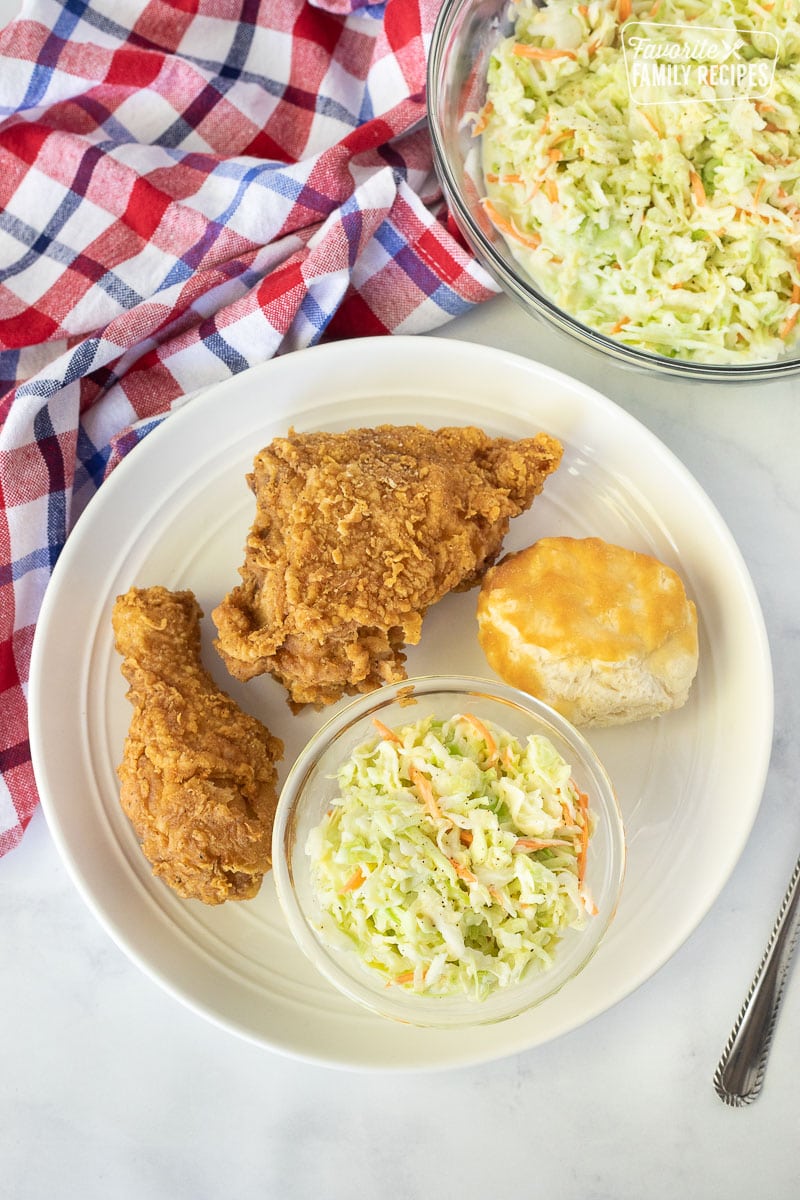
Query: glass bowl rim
point(409, 1009)
point(518, 287)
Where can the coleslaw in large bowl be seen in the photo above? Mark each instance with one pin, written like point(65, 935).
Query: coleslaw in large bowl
point(657, 223)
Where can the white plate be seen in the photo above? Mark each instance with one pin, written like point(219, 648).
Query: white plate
point(176, 512)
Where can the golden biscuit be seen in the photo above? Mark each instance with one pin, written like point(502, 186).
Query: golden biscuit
point(603, 634)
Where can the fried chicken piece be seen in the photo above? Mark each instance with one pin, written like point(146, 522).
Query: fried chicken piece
point(355, 535)
point(197, 774)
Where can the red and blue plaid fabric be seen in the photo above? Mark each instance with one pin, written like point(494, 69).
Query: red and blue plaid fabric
point(188, 187)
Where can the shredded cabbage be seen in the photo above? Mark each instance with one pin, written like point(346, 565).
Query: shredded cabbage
point(674, 227)
point(452, 858)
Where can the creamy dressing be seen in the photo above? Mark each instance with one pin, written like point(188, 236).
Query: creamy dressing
point(674, 227)
point(453, 856)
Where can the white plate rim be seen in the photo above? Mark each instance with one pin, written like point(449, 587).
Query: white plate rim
point(438, 353)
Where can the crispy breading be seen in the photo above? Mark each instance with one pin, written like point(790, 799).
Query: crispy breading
point(198, 774)
point(355, 535)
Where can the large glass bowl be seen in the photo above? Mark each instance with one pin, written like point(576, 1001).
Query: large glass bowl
point(464, 36)
point(311, 785)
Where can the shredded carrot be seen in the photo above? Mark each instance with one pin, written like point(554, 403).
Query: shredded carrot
point(483, 119)
point(569, 818)
point(623, 10)
point(534, 189)
point(762, 106)
point(404, 977)
point(771, 160)
point(491, 177)
point(463, 872)
point(619, 325)
point(583, 9)
point(531, 240)
point(651, 123)
point(355, 880)
point(563, 136)
point(529, 844)
point(592, 48)
point(511, 179)
point(759, 190)
point(698, 191)
point(588, 902)
point(465, 837)
point(789, 324)
point(554, 155)
point(654, 10)
point(583, 805)
point(541, 53)
point(773, 128)
point(491, 744)
point(551, 190)
point(386, 733)
point(426, 795)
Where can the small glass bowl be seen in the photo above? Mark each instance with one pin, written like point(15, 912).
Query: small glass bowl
point(464, 36)
point(311, 786)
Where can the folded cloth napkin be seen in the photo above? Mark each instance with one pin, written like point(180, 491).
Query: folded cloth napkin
point(188, 187)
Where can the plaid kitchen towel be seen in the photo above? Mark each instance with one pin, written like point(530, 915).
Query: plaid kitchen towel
point(188, 187)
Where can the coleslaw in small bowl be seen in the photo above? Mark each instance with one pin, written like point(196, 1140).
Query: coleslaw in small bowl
point(448, 851)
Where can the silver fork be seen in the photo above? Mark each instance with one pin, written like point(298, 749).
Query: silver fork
point(740, 1074)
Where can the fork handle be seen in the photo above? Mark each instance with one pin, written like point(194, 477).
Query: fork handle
point(740, 1074)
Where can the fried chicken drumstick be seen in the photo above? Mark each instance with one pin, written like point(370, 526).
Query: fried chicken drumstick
point(197, 774)
point(355, 535)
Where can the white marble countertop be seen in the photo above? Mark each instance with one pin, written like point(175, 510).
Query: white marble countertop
point(110, 1088)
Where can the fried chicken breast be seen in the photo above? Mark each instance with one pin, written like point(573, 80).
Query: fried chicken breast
point(197, 774)
point(355, 535)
